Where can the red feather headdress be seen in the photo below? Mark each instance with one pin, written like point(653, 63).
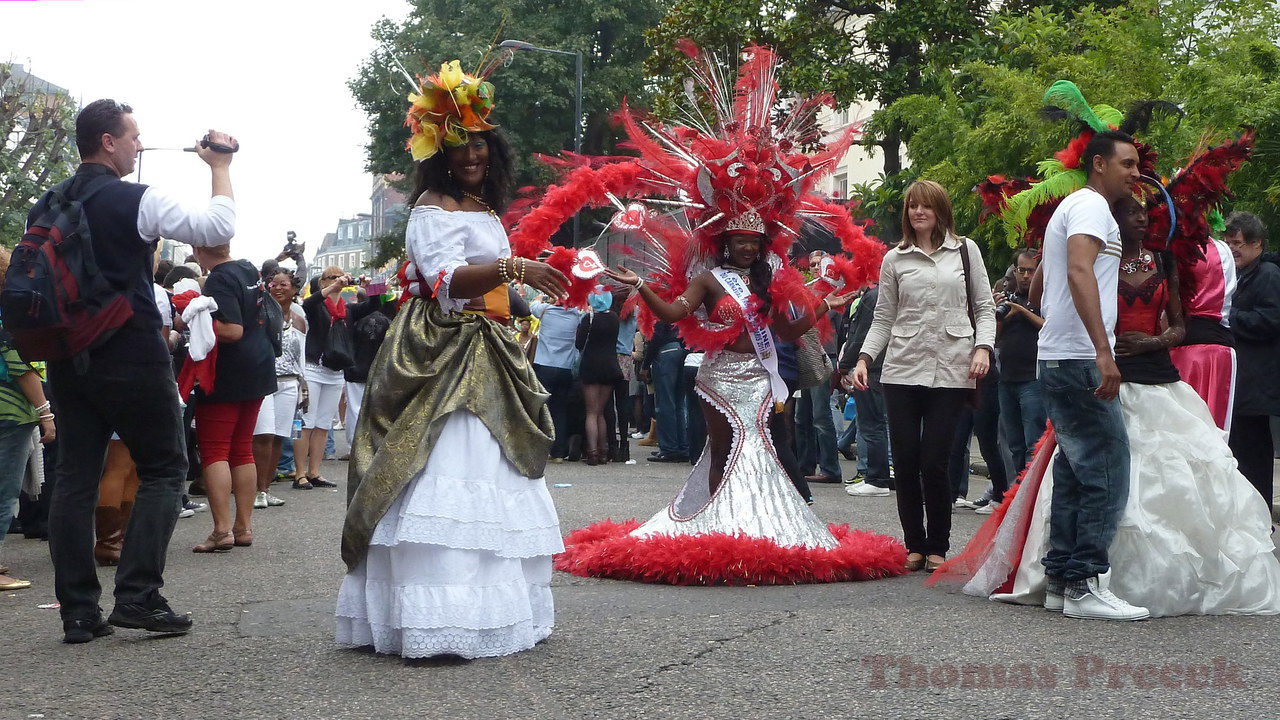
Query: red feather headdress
point(738, 165)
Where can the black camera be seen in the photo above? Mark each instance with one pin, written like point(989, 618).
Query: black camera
point(1002, 311)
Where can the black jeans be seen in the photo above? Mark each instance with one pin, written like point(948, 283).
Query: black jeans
point(922, 425)
point(985, 423)
point(558, 382)
point(1252, 444)
point(139, 402)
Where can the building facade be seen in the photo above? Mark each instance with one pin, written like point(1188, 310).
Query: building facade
point(349, 247)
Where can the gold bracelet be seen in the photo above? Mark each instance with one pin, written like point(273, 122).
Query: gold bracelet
point(520, 271)
point(685, 302)
point(502, 271)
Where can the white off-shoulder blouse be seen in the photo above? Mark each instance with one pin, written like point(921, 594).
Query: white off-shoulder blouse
point(440, 241)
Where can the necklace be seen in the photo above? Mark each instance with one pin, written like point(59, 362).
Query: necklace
point(741, 272)
point(1143, 263)
point(481, 202)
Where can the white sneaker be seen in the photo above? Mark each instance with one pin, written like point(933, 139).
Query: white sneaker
point(186, 513)
point(273, 501)
point(987, 509)
point(639, 435)
point(260, 501)
point(963, 504)
point(1099, 603)
point(866, 489)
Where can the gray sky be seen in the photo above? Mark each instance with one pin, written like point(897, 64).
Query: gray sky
point(271, 72)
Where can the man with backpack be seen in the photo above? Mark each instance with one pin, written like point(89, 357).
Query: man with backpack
point(122, 380)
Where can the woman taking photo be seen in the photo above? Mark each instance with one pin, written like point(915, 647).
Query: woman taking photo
point(450, 529)
point(275, 417)
point(935, 320)
point(323, 376)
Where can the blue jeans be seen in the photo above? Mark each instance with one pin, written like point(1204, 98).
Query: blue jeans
point(286, 464)
point(669, 399)
point(873, 434)
point(1090, 473)
point(15, 449)
point(1023, 418)
point(816, 432)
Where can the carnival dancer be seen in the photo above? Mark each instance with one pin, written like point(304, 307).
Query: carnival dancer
point(450, 529)
point(745, 189)
point(1194, 537)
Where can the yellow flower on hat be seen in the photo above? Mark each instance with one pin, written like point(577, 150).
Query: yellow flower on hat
point(451, 75)
point(424, 142)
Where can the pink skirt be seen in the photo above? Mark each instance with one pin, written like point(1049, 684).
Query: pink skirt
point(1211, 371)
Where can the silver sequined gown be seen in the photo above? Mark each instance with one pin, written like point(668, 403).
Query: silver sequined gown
point(756, 497)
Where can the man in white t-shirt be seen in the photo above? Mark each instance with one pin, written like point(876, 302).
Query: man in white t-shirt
point(1079, 380)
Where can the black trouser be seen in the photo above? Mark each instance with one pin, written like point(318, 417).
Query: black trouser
point(139, 402)
point(985, 423)
point(558, 382)
point(618, 417)
point(782, 426)
point(922, 425)
point(1254, 448)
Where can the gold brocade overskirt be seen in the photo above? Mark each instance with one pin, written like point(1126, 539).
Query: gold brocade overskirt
point(431, 364)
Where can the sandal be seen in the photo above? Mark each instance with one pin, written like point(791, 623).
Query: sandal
point(7, 583)
point(243, 538)
point(300, 483)
point(933, 562)
point(915, 561)
point(217, 542)
point(319, 481)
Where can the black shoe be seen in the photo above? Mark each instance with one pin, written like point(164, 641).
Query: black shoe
point(154, 616)
point(85, 629)
point(848, 454)
point(321, 482)
point(669, 458)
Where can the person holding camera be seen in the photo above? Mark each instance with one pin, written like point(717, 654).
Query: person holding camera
point(126, 384)
point(325, 364)
point(1018, 324)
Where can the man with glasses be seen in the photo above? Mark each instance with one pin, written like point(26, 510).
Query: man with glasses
point(124, 385)
point(1022, 414)
point(1255, 326)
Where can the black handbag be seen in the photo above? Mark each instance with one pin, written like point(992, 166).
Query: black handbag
point(339, 350)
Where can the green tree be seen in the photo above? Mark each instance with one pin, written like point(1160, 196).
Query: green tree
point(36, 127)
point(1217, 61)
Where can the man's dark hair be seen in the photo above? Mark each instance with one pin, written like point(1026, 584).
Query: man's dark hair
point(269, 267)
point(179, 272)
point(162, 270)
point(499, 182)
point(1103, 144)
point(99, 116)
point(1248, 225)
point(1027, 252)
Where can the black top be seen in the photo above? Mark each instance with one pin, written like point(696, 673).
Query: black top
point(1017, 346)
point(1255, 323)
point(125, 259)
point(246, 369)
point(598, 341)
point(859, 324)
point(663, 334)
point(318, 322)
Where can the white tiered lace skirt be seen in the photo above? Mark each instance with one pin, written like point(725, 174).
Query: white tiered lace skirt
point(461, 562)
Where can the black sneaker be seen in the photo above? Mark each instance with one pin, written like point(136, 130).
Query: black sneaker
point(155, 616)
point(84, 630)
point(985, 500)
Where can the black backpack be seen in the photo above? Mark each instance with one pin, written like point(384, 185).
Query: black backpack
point(56, 303)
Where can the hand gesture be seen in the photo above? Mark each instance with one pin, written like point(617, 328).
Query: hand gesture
point(980, 363)
point(836, 302)
point(1132, 343)
point(859, 375)
point(1109, 386)
point(212, 157)
point(542, 277)
point(623, 275)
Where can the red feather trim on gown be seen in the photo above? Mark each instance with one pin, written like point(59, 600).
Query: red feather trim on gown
point(607, 549)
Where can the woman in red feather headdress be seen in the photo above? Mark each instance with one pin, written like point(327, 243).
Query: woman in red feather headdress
point(718, 274)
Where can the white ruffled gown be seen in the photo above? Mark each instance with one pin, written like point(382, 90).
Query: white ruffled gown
point(460, 564)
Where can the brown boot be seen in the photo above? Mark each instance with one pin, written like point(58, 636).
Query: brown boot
point(652, 440)
point(110, 532)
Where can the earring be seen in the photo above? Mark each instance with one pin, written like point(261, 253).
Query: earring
point(725, 253)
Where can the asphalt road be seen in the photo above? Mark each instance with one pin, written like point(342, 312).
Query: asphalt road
point(262, 644)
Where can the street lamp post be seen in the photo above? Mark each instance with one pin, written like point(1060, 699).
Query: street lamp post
point(577, 105)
